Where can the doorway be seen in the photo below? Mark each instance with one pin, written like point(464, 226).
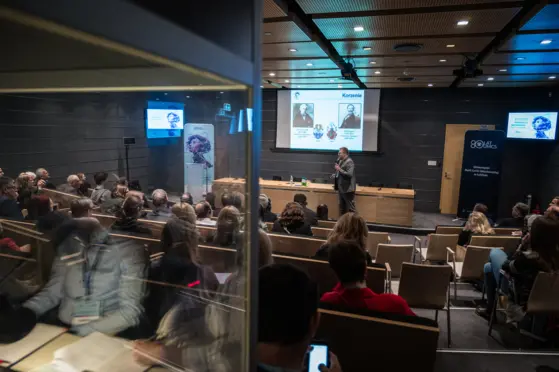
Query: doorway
point(452, 164)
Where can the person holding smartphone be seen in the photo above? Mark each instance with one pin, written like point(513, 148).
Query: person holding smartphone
point(287, 322)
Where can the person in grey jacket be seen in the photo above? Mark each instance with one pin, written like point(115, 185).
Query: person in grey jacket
point(97, 285)
point(345, 181)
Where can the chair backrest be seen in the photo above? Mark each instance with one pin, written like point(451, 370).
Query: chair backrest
point(369, 340)
point(448, 229)
point(326, 224)
point(395, 255)
point(105, 220)
point(221, 260)
point(374, 239)
point(61, 198)
point(425, 286)
point(474, 260)
point(505, 230)
point(319, 271)
point(320, 232)
point(508, 243)
point(436, 249)
point(296, 245)
point(544, 296)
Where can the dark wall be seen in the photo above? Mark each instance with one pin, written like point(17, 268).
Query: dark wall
point(70, 133)
point(412, 131)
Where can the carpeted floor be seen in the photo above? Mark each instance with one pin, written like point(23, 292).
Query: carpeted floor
point(467, 362)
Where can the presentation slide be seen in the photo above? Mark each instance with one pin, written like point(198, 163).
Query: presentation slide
point(532, 125)
point(328, 119)
point(165, 119)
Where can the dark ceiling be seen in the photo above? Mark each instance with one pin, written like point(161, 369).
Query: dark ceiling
point(304, 42)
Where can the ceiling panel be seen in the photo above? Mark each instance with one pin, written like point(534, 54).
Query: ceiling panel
point(409, 60)
point(532, 42)
point(502, 78)
point(510, 84)
point(384, 47)
point(271, 10)
point(329, 6)
point(275, 32)
point(418, 79)
point(416, 24)
point(333, 73)
point(546, 19)
point(335, 80)
point(299, 64)
point(414, 71)
point(305, 49)
point(521, 69)
point(320, 86)
point(522, 58)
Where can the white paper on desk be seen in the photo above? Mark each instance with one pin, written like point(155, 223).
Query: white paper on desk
point(39, 336)
point(98, 353)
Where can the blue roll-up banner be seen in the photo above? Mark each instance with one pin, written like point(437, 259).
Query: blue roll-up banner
point(481, 171)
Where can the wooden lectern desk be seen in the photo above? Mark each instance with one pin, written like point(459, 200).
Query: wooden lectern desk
point(386, 206)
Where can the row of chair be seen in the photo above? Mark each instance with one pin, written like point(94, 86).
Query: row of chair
point(443, 229)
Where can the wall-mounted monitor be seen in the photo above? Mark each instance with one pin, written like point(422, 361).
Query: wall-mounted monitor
point(164, 119)
point(532, 125)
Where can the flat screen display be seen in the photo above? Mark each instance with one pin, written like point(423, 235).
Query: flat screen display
point(532, 125)
point(328, 119)
point(164, 119)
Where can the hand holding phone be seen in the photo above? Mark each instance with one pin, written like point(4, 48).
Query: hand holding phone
point(318, 355)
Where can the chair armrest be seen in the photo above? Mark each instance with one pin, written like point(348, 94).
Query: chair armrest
point(388, 268)
point(451, 252)
point(388, 278)
point(417, 239)
point(389, 239)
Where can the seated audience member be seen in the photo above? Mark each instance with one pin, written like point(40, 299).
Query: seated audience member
point(519, 212)
point(81, 208)
point(179, 266)
point(482, 208)
point(159, 200)
point(237, 200)
point(292, 221)
point(100, 194)
point(112, 206)
point(349, 262)
point(85, 186)
point(134, 185)
point(1, 173)
point(25, 189)
point(224, 203)
point(352, 227)
point(203, 214)
point(266, 204)
point(178, 226)
point(114, 291)
point(40, 209)
point(187, 198)
point(8, 200)
point(310, 216)
point(127, 217)
point(540, 255)
point(477, 224)
point(554, 202)
point(124, 182)
point(72, 185)
point(42, 180)
point(228, 227)
point(287, 319)
point(261, 224)
point(322, 212)
point(209, 198)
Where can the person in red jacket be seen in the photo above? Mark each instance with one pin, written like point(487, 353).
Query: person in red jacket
point(349, 262)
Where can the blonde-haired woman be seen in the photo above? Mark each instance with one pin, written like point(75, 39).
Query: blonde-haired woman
point(350, 226)
point(477, 224)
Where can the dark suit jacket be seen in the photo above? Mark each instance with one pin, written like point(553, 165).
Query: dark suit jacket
point(351, 122)
point(310, 216)
point(295, 229)
point(306, 122)
point(345, 179)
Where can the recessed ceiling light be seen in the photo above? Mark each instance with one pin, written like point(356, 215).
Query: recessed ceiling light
point(157, 99)
point(287, 81)
point(377, 72)
point(520, 58)
point(373, 63)
point(552, 77)
point(450, 45)
point(187, 96)
point(358, 28)
point(332, 80)
point(503, 70)
point(221, 92)
point(490, 79)
point(262, 86)
point(298, 86)
point(367, 48)
point(267, 34)
point(309, 64)
point(480, 85)
point(339, 85)
point(272, 74)
point(292, 49)
point(442, 60)
point(546, 41)
point(165, 93)
point(429, 85)
point(462, 23)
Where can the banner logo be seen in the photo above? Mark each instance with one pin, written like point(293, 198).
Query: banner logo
point(479, 144)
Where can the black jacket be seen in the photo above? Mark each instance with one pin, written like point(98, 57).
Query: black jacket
point(511, 222)
point(300, 228)
point(131, 225)
point(269, 217)
point(9, 209)
point(51, 221)
point(310, 216)
point(173, 232)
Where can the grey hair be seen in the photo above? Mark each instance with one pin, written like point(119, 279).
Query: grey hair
point(159, 194)
point(71, 178)
point(39, 172)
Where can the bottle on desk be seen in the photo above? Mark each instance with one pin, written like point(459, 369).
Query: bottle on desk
point(291, 180)
point(304, 182)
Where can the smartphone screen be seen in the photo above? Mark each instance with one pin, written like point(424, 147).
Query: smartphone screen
point(318, 356)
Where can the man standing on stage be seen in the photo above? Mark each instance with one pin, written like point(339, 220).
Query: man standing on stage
point(345, 181)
